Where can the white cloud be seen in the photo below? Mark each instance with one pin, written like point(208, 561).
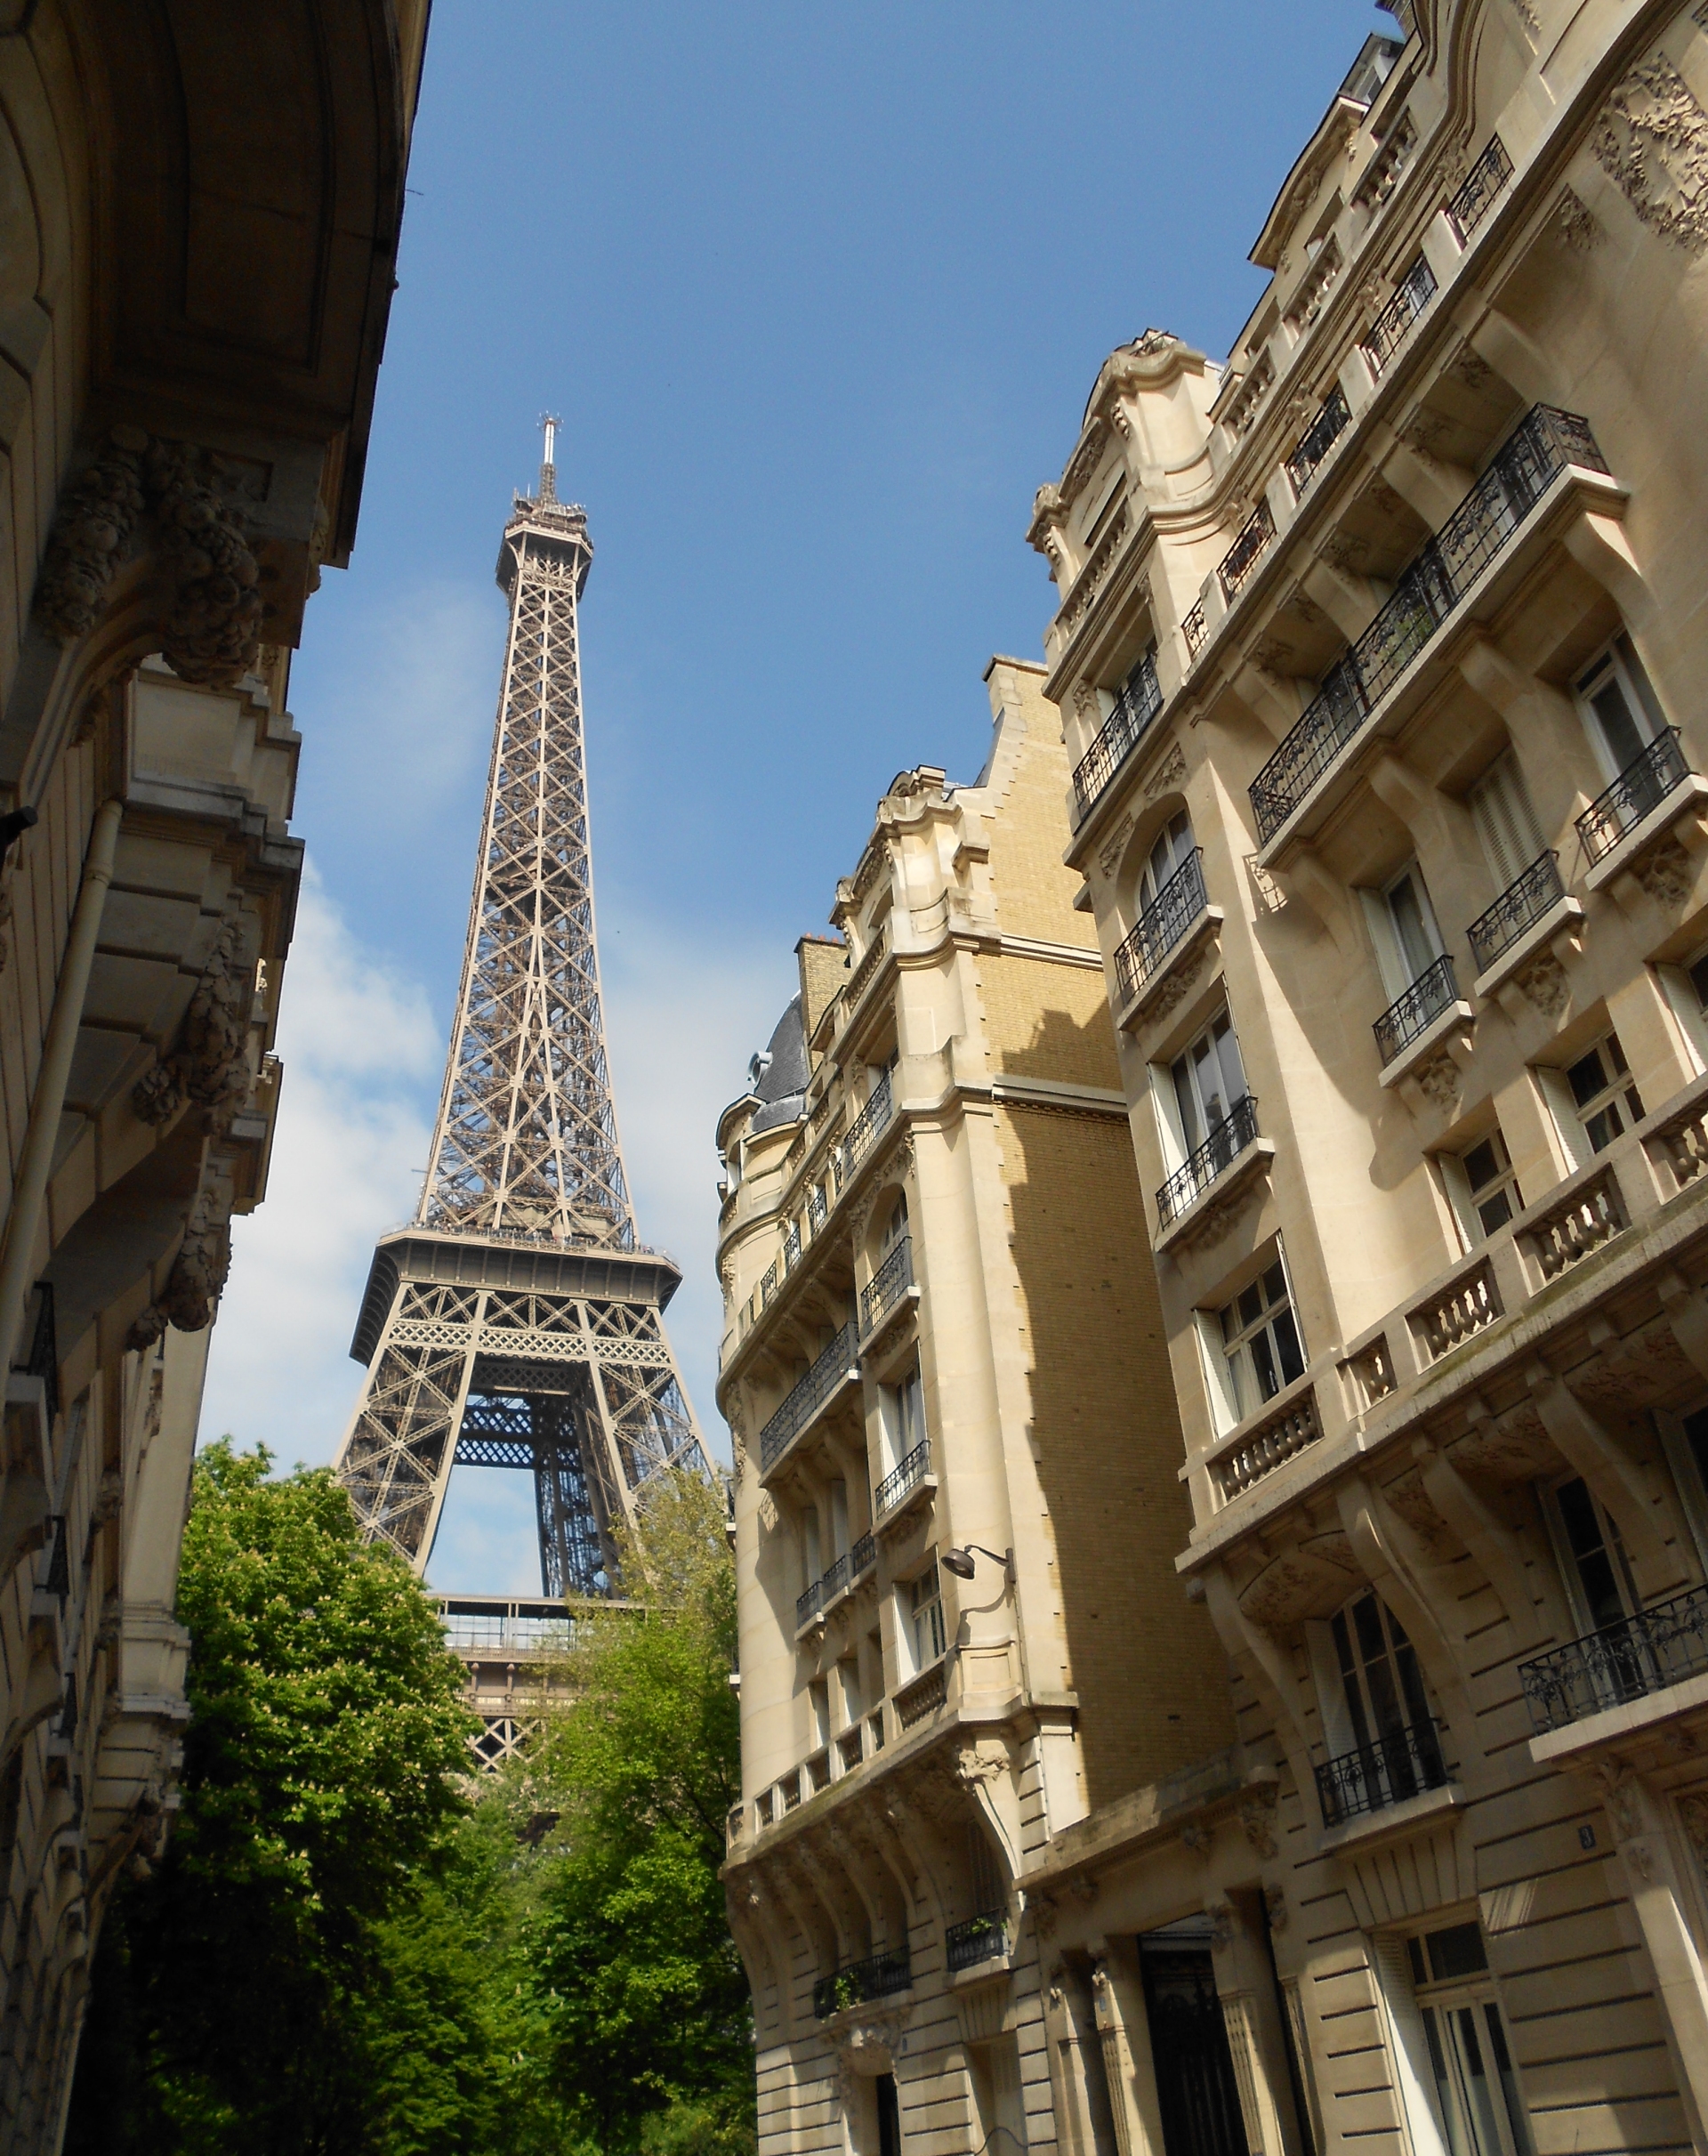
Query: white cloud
point(362, 1057)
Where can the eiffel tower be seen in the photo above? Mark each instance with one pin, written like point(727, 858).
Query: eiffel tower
point(516, 1322)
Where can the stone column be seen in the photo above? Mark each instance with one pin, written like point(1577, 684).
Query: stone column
point(1124, 2030)
point(1251, 2013)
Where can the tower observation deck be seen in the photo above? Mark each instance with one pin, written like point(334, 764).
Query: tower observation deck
point(516, 1322)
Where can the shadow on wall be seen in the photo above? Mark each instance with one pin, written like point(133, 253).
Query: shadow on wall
point(1106, 1434)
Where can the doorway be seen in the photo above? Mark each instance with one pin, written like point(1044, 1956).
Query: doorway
point(1196, 2090)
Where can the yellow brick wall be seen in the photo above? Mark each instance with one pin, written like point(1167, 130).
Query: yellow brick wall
point(1152, 1680)
point(1048, 1021)
point(1030, 828)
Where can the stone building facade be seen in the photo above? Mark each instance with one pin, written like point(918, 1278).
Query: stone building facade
point(201, 210)
point(956, 1504)
point(1380, 655)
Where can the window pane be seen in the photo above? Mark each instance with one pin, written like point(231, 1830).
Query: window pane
point(1494, 1212)
point(1586, 1078)
point(1457, 1951)
point(1619, 728)
point(1480, 1164)
point(1477, 2083)
point(1444, 2093)
point(1286, 1341)
point(1367, 1620)
point(1263, 1365)
point(1509, 2079)
point(1603, 1127)
point(1274, 1284)
point(1250, 1305)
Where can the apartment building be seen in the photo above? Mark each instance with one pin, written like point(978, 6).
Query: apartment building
point(1379, 652)
point(201, 212)
point(956, 1508)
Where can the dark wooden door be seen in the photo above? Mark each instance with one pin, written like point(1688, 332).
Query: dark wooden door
point(1195, 2088)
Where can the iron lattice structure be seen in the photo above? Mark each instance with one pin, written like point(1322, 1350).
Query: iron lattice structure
point(516, 1322)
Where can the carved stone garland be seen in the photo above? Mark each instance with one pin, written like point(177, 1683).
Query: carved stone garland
point(1653, 140)
point(211, 1065)
point(211, 634)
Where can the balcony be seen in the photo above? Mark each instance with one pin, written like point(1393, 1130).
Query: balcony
point(1259, 1451)
point(1544, 444)
point(867, 1127)
point(888, 1288)
point(923, 1696)
point(1400, 1763)
point(1395, 323)
point(1517, 909)
point(906, 1478)
point(1479, 191)
point(835, 1367)
point(1411, 1015)
point(1195, 629)
point(1135, 710)
point(1628, 1661)
point(809, 1605)
point(1639, 789)
point(1317, 440)
point(877, 1977)
point(1162, 927)
point(1219, 1151)
point(862, 1557)
point(1247, 551)
point(981, 1938)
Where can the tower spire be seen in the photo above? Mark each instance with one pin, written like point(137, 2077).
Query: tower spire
point(549, 465)
point(517, 1323)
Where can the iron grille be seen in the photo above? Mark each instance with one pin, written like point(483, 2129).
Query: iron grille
point(1317, 440)
point(876, 1977)
point(867, 1124)
point(808, 1603)
point(1520, 906)
point(1162, 925)
point(1479, 190)
point(833, 1581)
point(1539, 448)
point(58, 1561)
point(981, 1938)
point(1433, 991)
point(1195, 629)
point(1125, 726)
point(1393, 325)
point(913, 1470)
point(862, 1557)
point(887, 1285)
point(1400, 1762)
point(806, 1396)
point(1642, 786)
point(1219, 1151)
point(1247, 551)
point(1639, 1655)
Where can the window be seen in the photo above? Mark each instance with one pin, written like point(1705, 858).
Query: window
point(819, 1698)
point(1506, 822)
point(901, 1413)
point(1381, 1681)
point(1416, 940)
point(896, 1226)
point(1208, 1083)
point(1491, 1195)
point(1619, 706)
point(926, 1615)
point(1592, 1557)
point(1456, 2070)
point(1262, 1351)
point(1602, 1093)
point(1172, 851)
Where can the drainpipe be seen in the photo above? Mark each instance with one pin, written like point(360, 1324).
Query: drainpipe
point(29, 1192)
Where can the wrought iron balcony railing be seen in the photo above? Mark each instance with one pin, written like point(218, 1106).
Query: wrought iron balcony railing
point(1393, 325)
point(809, 1602)
point(1520, 906)
point(1642, 786)
point(806, 1396)
point(1400, 1764)
point(1162, 925)
point(1628, 1661)
point(1318, 439)
point(1539, 448)
point(1247, 551)
point(1433, 991)
point(1135, 710)
point(1219, 1151)
point(887, 1285)
point(981, 1938)
point(869, 1126)
point(862, 1557)
point(900, 1480)
point(877, 1977)
point(834, 1580)
point(1195, 629)
point(1479, 190)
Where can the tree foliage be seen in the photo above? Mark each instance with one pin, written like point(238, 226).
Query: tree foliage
point(350, 1946)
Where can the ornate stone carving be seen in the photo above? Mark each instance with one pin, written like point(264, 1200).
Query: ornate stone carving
point(197, 1277)
point(1275, 1899)
point(1541, 982)
point(1653, 140)
point(1575, 226)
point(1693, 1816)
point(211, 635)
point(972, 1766)
point(1664, 872)
point(211, 1066)
point(1412, 1501)
point(1437, 1077)
point(1085, 699)
point(1169, 772)
point(1178, 985)
point(1043, 1914)
point(1085, 1888)
point(1221, 1924)
point(1113, 847)
point(1198, 1836)
point(1346, 550)
point(1257, 1818)
point(1527, 13)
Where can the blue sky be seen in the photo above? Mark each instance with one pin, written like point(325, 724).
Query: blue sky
point(819, 292)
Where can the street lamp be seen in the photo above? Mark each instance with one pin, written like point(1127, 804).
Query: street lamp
point(962, 1563)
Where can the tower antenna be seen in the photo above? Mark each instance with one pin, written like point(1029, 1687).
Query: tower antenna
point(548, 466)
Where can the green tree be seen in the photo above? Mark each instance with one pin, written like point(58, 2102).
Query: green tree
point(647, 2011)
point(322, 1782)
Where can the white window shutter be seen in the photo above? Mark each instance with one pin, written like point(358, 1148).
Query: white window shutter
point(1409, 2047)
